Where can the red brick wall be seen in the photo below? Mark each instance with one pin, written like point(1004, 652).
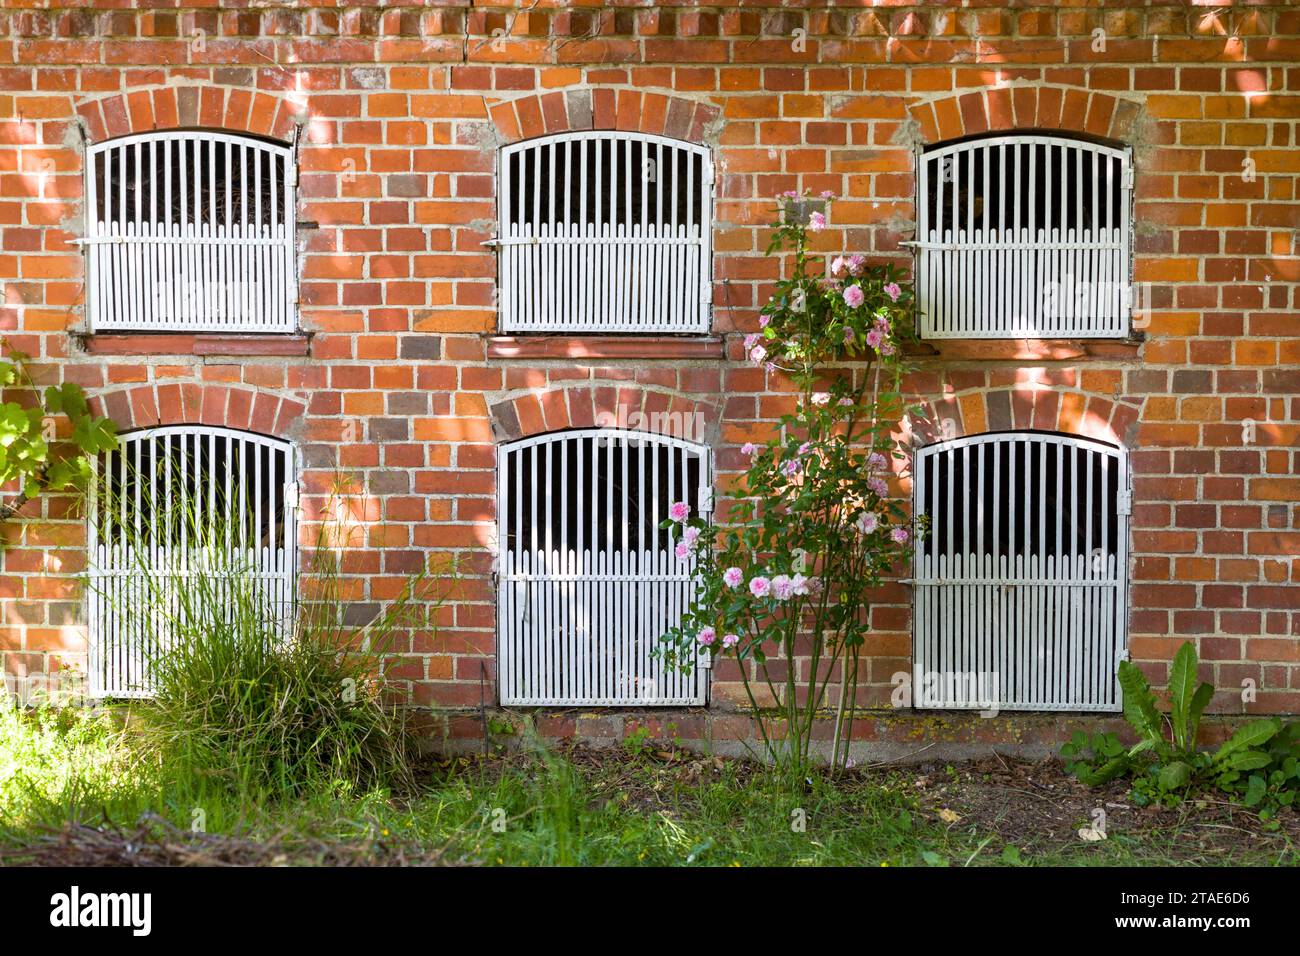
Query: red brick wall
point(401, 111)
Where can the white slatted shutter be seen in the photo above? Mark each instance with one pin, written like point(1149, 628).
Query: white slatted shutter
point(1023, 237)
point(1020, 587)
point(605, 232)
point(183, 501)
point(588, 581)
point(191, 232)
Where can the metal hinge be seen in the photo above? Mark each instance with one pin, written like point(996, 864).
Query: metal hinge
point(1123, 654)
point(1128, 177)
point(292, 499)
point(706, 501)
point(1124, 503)
point(705, 661)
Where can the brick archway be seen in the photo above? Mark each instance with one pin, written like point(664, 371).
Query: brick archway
point(630, 110)
point(195, 403)
point(168, 107)
point(1042, 405)
point(1003, 109)
point(614, 405)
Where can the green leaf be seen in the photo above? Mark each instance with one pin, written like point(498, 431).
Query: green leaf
point(1175, 776)
point(1247, 760)
point(1110, 770)
point(1254, 734)
point(1200, 699)
point(1256, 789)
point(1140, 707)
point(1182, 681)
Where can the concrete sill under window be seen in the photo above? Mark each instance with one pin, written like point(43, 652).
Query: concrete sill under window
point(194, 343)
point(604, 347)
point(1057, 350)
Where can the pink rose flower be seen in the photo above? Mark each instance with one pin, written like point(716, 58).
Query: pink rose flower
point(679, 511)
point(877, 462)
point(893, 291)
point(827, 194)
point(868, 522)
point(853, 296)
point(732, 577)
point(879, 486)
point(749, 448)
point(764, 321)
point(683, 550)
point(751, 340)
point(849, 335)
point(799, 584)
point(900, 535)
point(791, 468)
point(759, 586)
point(821, 398)
point(706, 636)
point(782, 587)
point(730, 640)
point(839, 265)
point(874, 338)
point(690, 536)
point(757, 354)
point(816, 222)
point(857, 264)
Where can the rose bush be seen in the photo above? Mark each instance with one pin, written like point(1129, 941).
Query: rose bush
point(812, 528)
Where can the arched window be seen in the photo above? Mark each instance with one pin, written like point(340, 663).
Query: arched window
point(588, 578)
point(605, 232)
point(1021, 573)
point(191, 231)
point(1023, 236)
point(168, 505)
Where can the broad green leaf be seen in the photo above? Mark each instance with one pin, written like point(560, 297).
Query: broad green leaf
point(1247, 760)
point(1182, 681)
point(1254, 734)
point(1176, 775)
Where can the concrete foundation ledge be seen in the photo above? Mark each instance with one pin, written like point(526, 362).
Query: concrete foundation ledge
point(904, 736)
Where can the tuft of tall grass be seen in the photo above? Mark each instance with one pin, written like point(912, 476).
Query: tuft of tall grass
point(258, 694)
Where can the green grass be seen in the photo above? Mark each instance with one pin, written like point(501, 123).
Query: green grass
point(540, 809)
